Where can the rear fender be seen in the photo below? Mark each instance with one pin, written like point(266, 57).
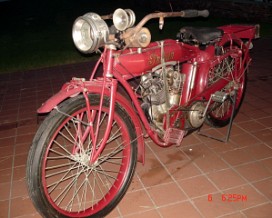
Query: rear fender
point(78, 86)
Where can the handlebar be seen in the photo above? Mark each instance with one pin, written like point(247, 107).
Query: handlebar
point(162, 15)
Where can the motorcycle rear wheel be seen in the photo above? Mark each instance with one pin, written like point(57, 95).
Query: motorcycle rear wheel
point(61, 180)
point(219, 114)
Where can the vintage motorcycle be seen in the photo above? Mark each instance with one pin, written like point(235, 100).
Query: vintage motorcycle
point(84, 154)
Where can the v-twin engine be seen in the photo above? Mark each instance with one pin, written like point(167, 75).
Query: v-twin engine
point(160, 90)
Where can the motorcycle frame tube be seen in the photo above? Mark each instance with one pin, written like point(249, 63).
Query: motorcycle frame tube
point(153, 135)
point(108, 58)
point(200, 90)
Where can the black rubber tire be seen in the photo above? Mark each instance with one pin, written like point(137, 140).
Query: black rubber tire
point(218, 123)
point(41, 143)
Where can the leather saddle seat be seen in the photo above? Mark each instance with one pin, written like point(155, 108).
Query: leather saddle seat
point(199, 35)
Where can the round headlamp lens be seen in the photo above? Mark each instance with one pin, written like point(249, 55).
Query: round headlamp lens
point(90, 32)
point(82, 35)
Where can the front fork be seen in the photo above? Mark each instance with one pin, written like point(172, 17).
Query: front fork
point(107, 83)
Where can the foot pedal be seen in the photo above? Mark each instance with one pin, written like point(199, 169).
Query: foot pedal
point(173, 136)
point(219, 97)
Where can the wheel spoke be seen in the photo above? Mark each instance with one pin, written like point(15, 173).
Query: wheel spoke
point(71, 183)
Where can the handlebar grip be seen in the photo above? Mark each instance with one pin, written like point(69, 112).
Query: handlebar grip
point(195, 13)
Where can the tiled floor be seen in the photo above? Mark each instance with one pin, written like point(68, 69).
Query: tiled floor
point(198, 179)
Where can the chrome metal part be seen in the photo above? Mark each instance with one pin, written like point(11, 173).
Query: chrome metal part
point(195, 115)
point(153, 91)
point(123, 19)
point(90, 32)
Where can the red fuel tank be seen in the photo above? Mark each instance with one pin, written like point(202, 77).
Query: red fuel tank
point(134, 62)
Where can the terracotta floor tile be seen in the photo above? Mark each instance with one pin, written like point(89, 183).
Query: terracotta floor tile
point(135, 184)
point(5, 175)
point(215, 207)
point(244, 140)
point(267, 163)
point(7, 141)
point(6, 162)
point(226, 179)
point(249, 197)
point(261, 211)
point(4, 208)
point(209, 132)
point(8, 118)
point(246, 107)
point(154, 176)
point(267, 121)
point(22, 149)
point(267, 110)
point(256, 114)
point(196, 151)
point(251, 126)
point(235, 130)
point(5, 133)
point(224, 147)
point(148, 149)
point(166, 194)
point(20, 159)
point(26, 122)
point(180, 210)
point(32, 215)
point(183, 170)
point(5, 191)
point(248, 171)
point(260, 151)
point(27, 129)
point(23, 139)
point(19, 173)
point(153, 147)
point(190, 140)
point(233, 215)
point(135, 202)
point(197, 186)
point(241, 117)
point(150, 162)
point(238, 156)
point(149, 214)
point(220, 147)
point(210, 163)
point(19, 189)
point(265, 187)
point(6, 151)
point(171, 156)
point(114, 213)
point(264, 135)
point(21, 206)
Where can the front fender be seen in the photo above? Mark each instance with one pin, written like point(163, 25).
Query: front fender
point(69, 89)
point(77, 86)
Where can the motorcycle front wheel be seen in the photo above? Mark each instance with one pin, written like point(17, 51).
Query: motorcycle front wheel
point(60, 178)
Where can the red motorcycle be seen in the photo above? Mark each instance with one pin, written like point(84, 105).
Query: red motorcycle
point(84, 154)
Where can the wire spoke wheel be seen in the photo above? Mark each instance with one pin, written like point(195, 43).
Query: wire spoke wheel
point(72, 186)
point(219, 113)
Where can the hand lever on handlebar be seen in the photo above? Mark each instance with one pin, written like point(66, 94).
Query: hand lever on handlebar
point(161, 23)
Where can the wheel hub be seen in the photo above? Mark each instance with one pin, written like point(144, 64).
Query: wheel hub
point(82, 158)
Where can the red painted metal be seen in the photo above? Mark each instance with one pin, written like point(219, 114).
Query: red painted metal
point(132, 63)
point(192, 64)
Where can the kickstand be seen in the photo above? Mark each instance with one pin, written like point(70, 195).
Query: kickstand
point(226, 138)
